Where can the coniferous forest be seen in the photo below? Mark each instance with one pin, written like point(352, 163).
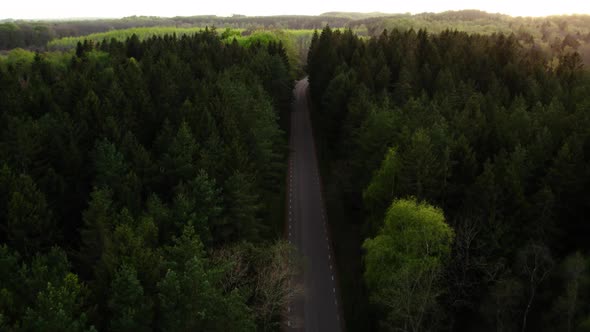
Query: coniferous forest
point(143, 178)
point(139, 187)
point(425, 131)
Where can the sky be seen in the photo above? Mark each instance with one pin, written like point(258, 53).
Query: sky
point(43, 9)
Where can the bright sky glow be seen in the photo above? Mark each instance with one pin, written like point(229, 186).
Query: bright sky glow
point(36, 9)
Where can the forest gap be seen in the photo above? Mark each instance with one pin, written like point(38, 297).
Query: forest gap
point(316, 309)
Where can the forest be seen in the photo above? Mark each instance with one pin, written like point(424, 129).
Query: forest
point(457, 168)
point(141, 186)
point(143, 166)
point(549, 34)
point(36, 34)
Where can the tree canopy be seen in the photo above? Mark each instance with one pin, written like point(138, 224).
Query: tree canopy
point(490, 130)
point(126, 165)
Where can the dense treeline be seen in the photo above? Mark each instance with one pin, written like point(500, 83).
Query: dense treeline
point(295, 42)
point(554, 35)
point(490, 132)
point(36, 34)
point(140, 186)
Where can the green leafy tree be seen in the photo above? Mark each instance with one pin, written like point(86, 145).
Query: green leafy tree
point(198, 203)
point(404, 262)
point(58, 308)
point(134, 242)
point(110, 164)
point(178, 160)
point(420, 166)
point(188, 296)
point(9, 282)
point(26, 220)
point(242, 201)
point(96, 234)
point(130, 308)
point(382, 188)
point(51, 267)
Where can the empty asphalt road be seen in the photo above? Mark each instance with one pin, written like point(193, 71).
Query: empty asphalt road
point(317, 308)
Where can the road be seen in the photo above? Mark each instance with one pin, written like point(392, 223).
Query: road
point(317, 308)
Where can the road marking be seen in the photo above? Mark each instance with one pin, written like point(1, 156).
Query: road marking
point(289, 323)
point(329, 257)
point(289, 226)
point(289, 309)
point(332, 278)
point(289, 234)
point(334, 290)
point(330, 266)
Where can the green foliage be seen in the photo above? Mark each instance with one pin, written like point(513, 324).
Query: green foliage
point(491, 128)
point(381, 191)
point(42, 295)
point(110, 165)
point(130, 308)
point(404, 263)
point(198, 204)
point(242, 208)
point(57, 308)
point(141, 33)
point(189, 298)
point(25, 218)
point(139, 157)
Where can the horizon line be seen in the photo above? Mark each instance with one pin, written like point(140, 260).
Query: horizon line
point(236, 15)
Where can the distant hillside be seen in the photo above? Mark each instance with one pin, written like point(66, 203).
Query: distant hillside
point(354, 15)
point(552, 35)
point(36, 34)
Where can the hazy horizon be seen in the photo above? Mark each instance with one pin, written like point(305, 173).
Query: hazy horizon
point(68, 9)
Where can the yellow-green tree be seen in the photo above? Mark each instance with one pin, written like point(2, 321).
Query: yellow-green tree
point(404, 261)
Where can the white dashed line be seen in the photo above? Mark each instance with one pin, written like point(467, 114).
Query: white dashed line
point(334, 290)
point(332, 278)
